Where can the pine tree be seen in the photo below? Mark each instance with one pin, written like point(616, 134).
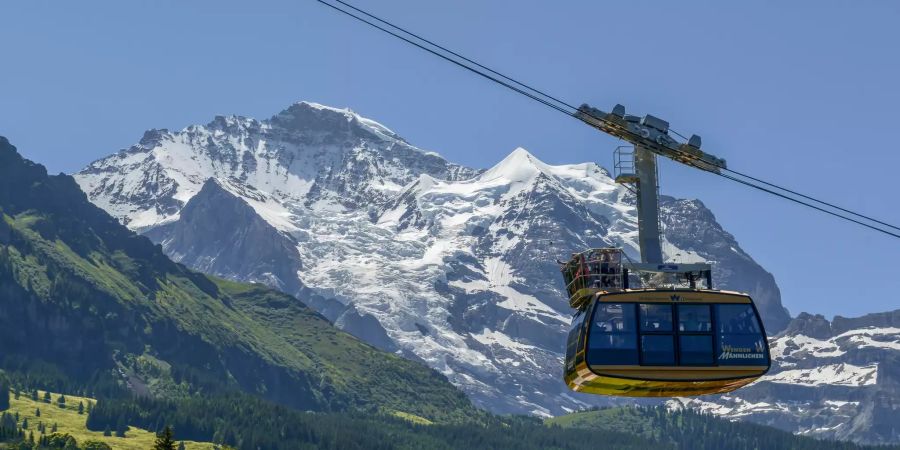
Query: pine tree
point(37, 412)
point(47, 397)
point(181, 445)
point(107, 432)
point(7, 423)
point(16, 394)
point(34, 395)
point(164, 440)
point(121, 427)
point(4, 395)
point(61, 401)
point(53, 428)
point(25, 423)
point(80, 407)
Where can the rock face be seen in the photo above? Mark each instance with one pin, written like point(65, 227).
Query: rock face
point(450, 265)
point(220, 234)
point(834, 380)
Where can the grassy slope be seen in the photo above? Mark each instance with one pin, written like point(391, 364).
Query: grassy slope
point(361, 370)
point(95, 283)
point(70, 422)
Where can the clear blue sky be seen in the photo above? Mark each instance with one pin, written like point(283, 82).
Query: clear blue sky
point(804, 94)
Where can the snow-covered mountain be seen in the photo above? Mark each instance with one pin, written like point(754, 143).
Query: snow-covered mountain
point(307, 155)
point(835, 380)
point(450, 265)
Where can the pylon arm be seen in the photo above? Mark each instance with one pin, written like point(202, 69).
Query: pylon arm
point(693, 273)
point(670, 267)
point(651, 133)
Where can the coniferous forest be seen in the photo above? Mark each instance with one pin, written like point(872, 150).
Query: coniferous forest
point(242, 421)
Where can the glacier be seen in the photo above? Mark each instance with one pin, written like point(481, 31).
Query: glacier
point(450, 265)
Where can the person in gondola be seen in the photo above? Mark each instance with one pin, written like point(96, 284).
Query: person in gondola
point(593, 264)
point(607, 270)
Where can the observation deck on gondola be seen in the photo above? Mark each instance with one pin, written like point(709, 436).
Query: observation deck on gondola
point(593, 271)
point(609, 270)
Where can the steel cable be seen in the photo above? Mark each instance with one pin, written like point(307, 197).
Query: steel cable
point(554, 102)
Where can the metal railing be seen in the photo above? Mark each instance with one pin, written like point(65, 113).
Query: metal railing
point(593, 270)
point(623, 161)
point(610, 269)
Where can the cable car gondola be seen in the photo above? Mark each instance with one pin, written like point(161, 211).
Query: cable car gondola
point(669, 333)
point(661, 341)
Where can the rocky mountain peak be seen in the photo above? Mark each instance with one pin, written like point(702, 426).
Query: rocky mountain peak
point(233, 124)
point(307, 116)
point(220, 233)
point(309, 154)
point(153, 137)
point(519, 166)
point(302, 116)
point(887, 320)
point(10, 159)
point(816, 326)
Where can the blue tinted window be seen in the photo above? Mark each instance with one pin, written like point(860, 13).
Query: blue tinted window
point(694, 319)
point(658, 349)
point(696, 349)
point(614, 341)
point(741, 342)
point(739, 319)
point(613, 337)
point(656, 317)
point(614, 317)
point(574, 334)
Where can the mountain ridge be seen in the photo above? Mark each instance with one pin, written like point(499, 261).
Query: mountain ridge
point(449, 265)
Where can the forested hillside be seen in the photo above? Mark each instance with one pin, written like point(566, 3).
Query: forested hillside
point(86, 304)
point(690, 430)
point(247, 422)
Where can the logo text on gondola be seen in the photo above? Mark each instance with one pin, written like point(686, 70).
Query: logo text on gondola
point(730, 352)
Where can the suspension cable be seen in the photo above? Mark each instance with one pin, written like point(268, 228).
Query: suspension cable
point(810, 205)
point(563, 107)
point(447, 58)
point(512, 80)
point(812, 198)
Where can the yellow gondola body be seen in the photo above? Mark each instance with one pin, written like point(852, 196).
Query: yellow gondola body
point(661, 342)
